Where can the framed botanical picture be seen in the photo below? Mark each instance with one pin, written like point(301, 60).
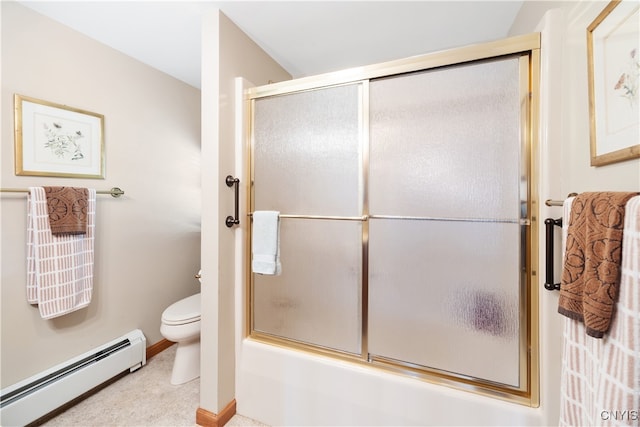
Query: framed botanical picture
point(57, 140)
point(614, 80)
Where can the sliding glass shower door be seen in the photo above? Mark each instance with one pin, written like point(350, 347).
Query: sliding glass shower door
point(445, 241)
point(307, 155)
point(405, 219)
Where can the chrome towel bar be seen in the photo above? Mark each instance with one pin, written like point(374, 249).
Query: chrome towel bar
point(550, 202)
point(113, 192)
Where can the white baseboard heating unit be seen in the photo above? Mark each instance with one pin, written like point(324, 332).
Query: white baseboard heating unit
point(30, 399)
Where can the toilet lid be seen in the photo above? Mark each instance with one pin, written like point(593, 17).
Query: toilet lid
point(186, 310)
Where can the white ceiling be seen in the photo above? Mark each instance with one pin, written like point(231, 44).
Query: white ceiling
point(305, 37)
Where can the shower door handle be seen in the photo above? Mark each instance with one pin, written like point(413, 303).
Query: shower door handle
point(550, 223)
point(230, 221)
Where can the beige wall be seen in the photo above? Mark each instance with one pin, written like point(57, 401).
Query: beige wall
point(147, 242)
point(532, 11)
point(227, 53)
point(564, 159)
point(575, 174)
point(578, 175)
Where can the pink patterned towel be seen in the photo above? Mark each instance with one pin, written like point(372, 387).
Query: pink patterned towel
point(59, 268)
point(600, 380)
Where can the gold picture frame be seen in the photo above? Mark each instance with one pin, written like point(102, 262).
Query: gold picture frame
point(614, 81)
point(56, 140)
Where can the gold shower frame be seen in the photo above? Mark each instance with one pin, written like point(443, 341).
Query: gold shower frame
point(528, 48)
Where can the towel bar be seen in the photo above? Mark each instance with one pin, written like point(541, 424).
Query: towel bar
point(550, 202)
point(114, 192)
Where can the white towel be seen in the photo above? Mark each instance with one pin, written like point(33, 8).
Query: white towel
point(59, 268)
point(265, 243)
point(600, 378)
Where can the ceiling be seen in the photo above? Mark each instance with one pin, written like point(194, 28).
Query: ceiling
point(305, 37)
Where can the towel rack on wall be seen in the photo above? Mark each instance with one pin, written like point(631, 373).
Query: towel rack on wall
point(550, 202)
point(113, 192)
point(550, 223)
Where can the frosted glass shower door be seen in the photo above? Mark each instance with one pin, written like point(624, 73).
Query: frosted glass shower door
point(445, 236)
point(307, 164)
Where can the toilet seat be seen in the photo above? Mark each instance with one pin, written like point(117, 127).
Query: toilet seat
point(185, 311)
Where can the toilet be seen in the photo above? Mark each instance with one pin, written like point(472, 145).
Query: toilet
point(181, 324)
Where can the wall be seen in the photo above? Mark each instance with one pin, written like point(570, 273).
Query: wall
point(578, 175)
point(148, 241)
point(575, 174)
point(227, 53)
point(565, 151)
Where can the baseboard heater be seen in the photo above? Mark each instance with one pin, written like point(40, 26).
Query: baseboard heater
point(30, 399)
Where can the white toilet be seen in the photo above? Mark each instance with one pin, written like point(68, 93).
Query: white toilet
point(181, 324)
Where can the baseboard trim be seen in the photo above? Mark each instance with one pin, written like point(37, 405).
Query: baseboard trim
point(206, 418)
point(158, 347)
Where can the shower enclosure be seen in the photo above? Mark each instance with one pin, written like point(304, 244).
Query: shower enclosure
point(406, 216)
